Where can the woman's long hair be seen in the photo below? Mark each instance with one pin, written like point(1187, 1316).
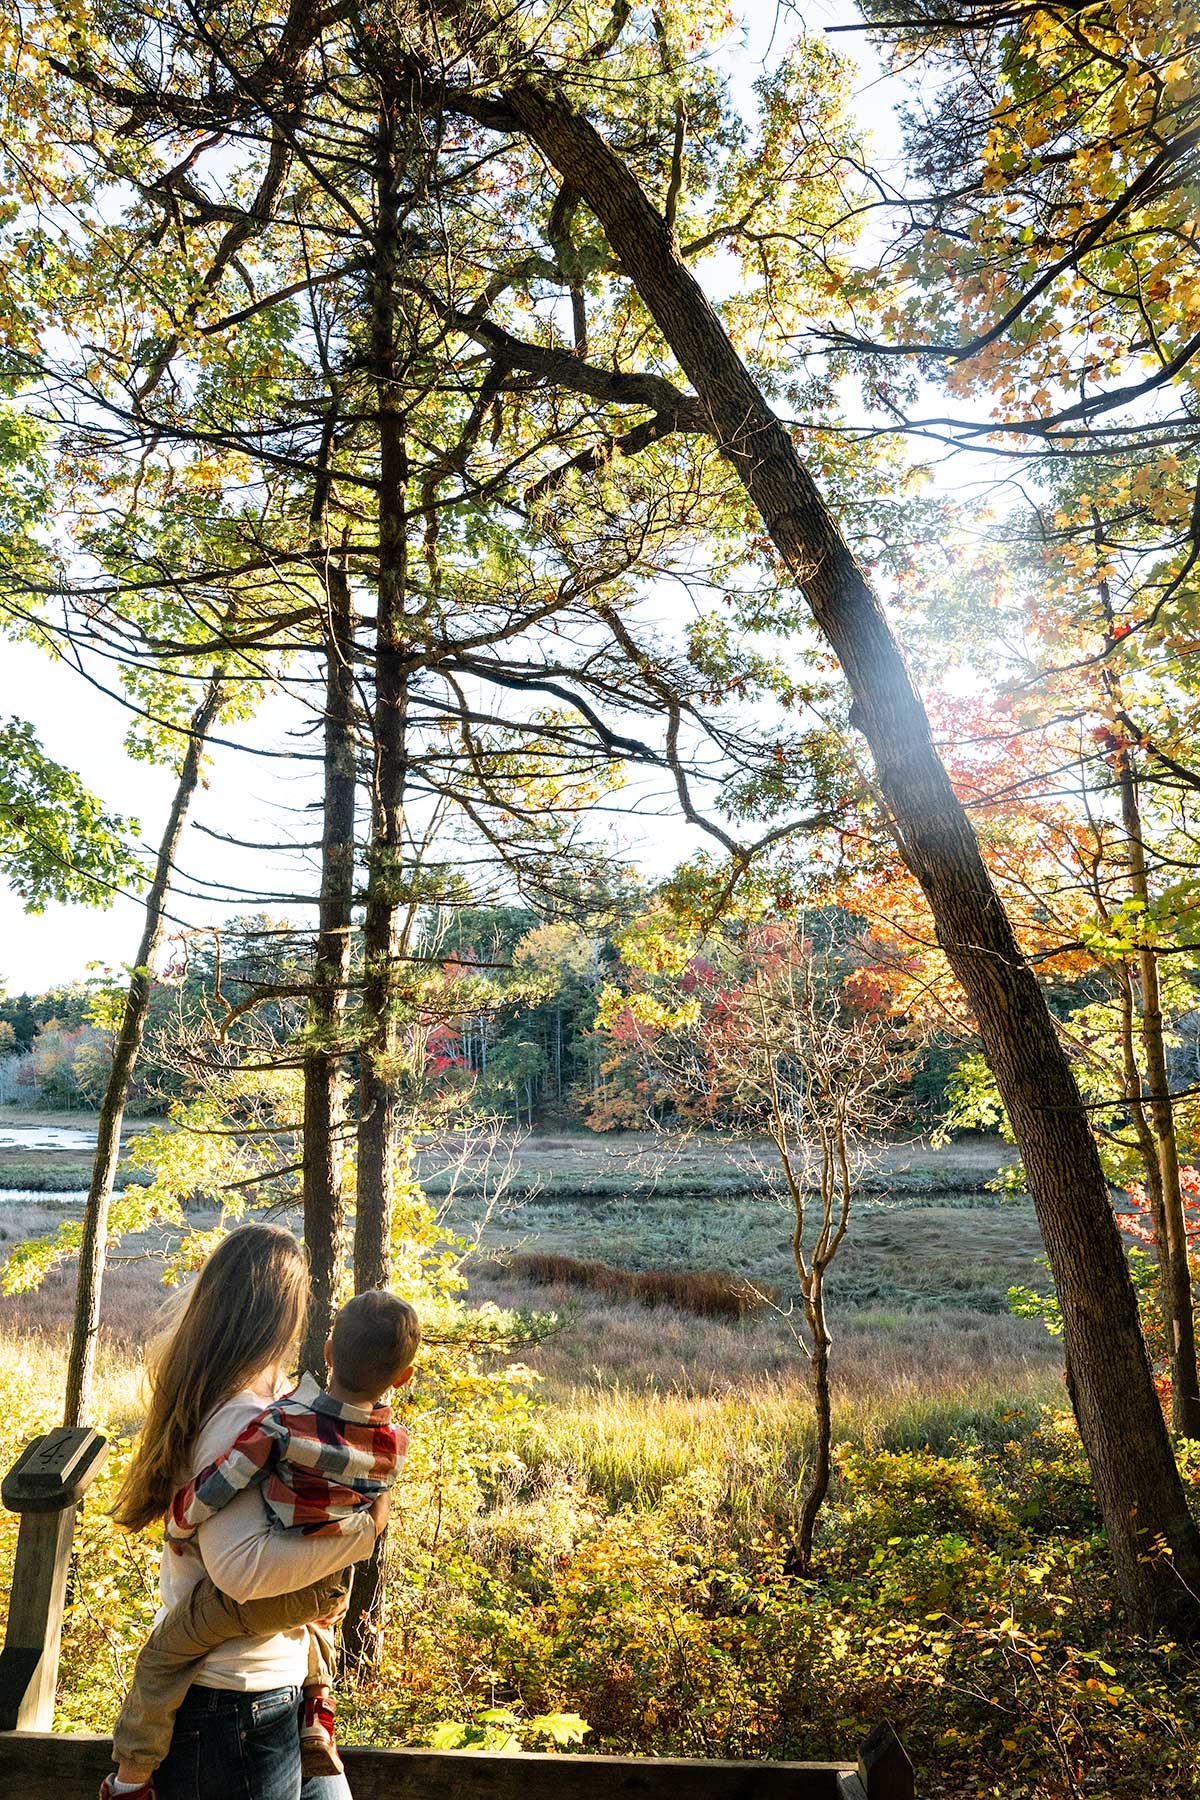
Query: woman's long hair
point(242, 1316)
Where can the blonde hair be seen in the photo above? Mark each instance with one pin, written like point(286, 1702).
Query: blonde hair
point(242, 1317)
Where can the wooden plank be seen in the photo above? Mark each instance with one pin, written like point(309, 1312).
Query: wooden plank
point(37, 1766)
point(40, 1767)
point(884, 1768)
point(37, 1599)
point(477, 1775)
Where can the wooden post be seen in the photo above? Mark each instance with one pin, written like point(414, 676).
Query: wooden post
point(44, 1486)
point(884, 1768)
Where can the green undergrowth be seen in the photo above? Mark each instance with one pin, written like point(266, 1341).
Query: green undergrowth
point(43, 1177)
point(556, 1184)
point(574, 1569)
point(961, 1590)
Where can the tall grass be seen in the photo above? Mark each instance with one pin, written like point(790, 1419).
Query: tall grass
point(636, 1398)
point(708, 1293)
point(629, 1445)
point(628, 1430)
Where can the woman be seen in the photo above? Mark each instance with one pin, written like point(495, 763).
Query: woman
point(237, 1734)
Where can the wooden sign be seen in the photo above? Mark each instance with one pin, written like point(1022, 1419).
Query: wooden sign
point(54, 1471)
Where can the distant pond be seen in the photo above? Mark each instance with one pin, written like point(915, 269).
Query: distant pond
point(42, 1197)
point(46, 1137)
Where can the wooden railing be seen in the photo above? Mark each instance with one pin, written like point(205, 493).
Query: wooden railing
point(46, 1486)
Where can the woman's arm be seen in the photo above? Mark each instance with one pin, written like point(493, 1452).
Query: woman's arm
point(249, 1558)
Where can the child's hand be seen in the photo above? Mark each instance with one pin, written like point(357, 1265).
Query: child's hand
point(337, 1611)
point(380, 1511)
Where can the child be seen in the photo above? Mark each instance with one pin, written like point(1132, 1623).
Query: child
point(321, 1456)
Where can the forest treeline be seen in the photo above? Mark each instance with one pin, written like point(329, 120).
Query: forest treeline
point(535, 1039)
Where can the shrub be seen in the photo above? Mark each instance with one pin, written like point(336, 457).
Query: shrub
point(710, 1294)
point(909, 1494)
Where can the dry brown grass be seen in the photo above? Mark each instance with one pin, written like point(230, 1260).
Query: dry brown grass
point(652, 1298)
point(894, 1359)
point(636, 1396)
point(133, 1295)
point(919, 1302)
point(708, 1293)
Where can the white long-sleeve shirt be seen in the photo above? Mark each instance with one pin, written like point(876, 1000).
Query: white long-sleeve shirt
point(250, 1558)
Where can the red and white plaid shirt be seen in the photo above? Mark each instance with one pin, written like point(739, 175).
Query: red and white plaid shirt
point(319, 1460)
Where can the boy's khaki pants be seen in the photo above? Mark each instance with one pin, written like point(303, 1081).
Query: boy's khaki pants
point(202, 1621)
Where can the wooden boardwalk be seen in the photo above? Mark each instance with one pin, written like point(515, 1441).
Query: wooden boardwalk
point(37, 1766)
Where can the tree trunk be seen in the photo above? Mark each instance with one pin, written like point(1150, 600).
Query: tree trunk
point(817, 1485)
point(385, 874)
point(1147, 1144)
point(93, 1244)
point(1170, 1225)
point(1128, 1447)
point(363, 1631)
point(324, 1122)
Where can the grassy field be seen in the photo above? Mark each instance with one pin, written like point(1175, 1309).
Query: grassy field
point(643, 1164)
point(918, 1294)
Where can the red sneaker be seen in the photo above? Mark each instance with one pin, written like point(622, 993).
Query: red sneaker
point(318, 1745)
point(108, 1792)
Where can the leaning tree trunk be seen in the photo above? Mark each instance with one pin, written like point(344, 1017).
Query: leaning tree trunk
point(324, 1122)
point(93, 1244)
point(362, 1634)
point(1128, 1447)
point(1170, 1225)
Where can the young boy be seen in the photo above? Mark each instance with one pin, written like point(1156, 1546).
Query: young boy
point(322, 1455)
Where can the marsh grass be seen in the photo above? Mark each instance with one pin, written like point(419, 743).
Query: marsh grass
point(636, 1395)
point(926, 1257)
point(33, 1367)
point(630, 1447)
point(62, 1174)
point(661, 1167)
point(714, 1398)
point(708, 1293)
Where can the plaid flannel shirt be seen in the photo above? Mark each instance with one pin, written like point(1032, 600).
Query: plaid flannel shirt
point(319, 1460)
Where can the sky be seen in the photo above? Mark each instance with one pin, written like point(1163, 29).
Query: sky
point(243, 797)
point(251, 798)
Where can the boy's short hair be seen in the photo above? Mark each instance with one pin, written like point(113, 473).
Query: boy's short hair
point(374, 1336)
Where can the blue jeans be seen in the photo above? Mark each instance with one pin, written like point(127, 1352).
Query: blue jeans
point(229, 1746)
